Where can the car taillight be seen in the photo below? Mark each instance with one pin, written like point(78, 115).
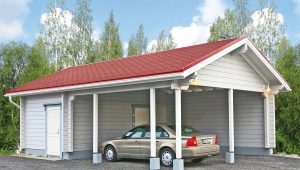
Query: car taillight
point(216, 140)
point(191, 141)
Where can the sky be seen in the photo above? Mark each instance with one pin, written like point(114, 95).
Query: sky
point(187, 20)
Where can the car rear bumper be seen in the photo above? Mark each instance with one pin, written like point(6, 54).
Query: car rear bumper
point(200, 151)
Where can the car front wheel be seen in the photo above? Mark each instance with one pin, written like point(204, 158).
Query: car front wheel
point(110, 154)
point(166, 157)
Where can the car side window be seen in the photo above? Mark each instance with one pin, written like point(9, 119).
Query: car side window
point(136, 132)
point(160, 133)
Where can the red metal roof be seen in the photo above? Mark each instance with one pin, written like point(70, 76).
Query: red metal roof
point(170, 61)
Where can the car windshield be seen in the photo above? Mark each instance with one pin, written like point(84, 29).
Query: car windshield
point(185, 130)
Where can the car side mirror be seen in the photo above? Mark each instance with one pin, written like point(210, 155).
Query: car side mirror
point(123, 136)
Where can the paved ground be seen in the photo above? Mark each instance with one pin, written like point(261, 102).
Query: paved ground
point(242, 162)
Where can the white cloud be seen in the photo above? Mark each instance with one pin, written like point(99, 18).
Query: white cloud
point(198, 30)
point(258, 16)
point(297, 6)
point(150, 44)
point(125, 46)
point(12, 15)
point(64, 16)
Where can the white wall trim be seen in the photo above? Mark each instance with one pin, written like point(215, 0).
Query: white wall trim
point(231, 120)
point(70, 121)
point(178, 123)
point(95, 123)
point(62, 126)
point(152, 123)
point(266, 120)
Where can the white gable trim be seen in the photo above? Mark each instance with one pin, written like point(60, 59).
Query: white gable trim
point(268, 65)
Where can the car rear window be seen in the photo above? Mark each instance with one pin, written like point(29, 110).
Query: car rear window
point(185, 130)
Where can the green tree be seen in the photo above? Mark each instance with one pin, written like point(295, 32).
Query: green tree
point(13, 57)
point(233, 24)
point(263, 26)
point(81, 43)
point(288, 104)
point(37, 63)
point(163, 42)
point(110, 41)
point(138, 42)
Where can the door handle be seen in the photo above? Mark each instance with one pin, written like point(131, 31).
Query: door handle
point(157, 141)
point(58, 131)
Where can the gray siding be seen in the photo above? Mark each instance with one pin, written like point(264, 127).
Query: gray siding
point(83, 123)
point(231, 71)
point(115, 112)
point(208, 112)
point(36, 119)
point(66, 126)
point(272, 135)
point(115, 115)
point(249, 119)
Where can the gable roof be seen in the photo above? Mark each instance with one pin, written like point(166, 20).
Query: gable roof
point(171, 62)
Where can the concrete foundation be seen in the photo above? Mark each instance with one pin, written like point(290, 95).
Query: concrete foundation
point(178, 164)
point(230, 157)
point(97, 158)
point(154, 163)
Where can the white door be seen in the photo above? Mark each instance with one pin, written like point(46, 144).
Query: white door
point(141, 116)
point(53, 130)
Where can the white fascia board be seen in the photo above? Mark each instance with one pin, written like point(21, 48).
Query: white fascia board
point(268, 65)
point(155, 78)
point(213, 58)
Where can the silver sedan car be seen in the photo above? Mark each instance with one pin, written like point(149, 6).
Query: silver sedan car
point(136, 144)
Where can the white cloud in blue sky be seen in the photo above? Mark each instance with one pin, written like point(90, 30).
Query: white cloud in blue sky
point(198, 31)
point(12, 16)
point(297, 6)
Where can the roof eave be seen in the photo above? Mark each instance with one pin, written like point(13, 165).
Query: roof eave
point(122, 82)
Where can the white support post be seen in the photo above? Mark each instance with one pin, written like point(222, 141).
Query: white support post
point(154, 161)
point(230, 154)
point(97, 158)
point(178, 163)
point(266, 119)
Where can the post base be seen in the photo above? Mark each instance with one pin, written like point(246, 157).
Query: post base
point(154, 163)
point(230, 157)
point(178, 164)
point(97, 158)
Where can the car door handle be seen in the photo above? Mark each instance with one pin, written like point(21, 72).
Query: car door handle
point(157, 141)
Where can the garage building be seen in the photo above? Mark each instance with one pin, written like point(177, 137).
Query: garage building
point(225, 87)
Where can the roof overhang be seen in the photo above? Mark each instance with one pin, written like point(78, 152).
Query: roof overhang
point(122, 82)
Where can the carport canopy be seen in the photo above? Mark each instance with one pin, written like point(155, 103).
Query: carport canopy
point(178, 67)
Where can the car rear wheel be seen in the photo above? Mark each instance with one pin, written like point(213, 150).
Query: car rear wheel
point(166, 157)
point(110, 154)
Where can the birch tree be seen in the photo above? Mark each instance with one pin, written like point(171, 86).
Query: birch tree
point(81, 42)
point(163, 42)
point(56, 32)
point(110, 41)
point(138, 42)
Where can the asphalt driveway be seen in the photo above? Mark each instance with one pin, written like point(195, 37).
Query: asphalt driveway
point(242, 162)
